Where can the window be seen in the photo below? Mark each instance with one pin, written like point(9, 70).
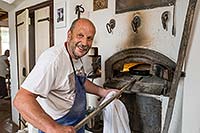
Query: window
point(4, 34)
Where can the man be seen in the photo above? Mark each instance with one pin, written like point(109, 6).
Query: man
point(4, 73)
point(59, 84)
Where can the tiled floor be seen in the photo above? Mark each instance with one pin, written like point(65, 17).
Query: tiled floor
point(6, 125)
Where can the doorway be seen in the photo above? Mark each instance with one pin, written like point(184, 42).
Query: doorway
point(6, 123)
point(34, 30)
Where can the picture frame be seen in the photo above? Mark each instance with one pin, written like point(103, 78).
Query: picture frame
point(60, 14)
point(100, 4)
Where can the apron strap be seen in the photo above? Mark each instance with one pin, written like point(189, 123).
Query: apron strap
point(70, 59)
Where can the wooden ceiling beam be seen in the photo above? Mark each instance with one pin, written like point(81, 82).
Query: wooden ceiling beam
point(4, 17)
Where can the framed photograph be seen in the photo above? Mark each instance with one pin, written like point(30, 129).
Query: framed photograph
point(100, 4)
point(60, 14)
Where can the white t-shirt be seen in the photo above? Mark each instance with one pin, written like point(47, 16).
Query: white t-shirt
point(53, 79)
point(3, 66)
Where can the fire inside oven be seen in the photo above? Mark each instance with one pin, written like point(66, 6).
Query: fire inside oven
point(156, 71)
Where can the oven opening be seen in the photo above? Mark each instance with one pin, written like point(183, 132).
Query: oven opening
point(133, 68)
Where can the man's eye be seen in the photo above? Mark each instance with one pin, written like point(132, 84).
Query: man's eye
point(80, 35)
point(89, 38)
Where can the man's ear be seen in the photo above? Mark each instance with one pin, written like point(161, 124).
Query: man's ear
point(69, 35)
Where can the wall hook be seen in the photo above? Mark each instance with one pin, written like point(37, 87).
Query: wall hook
point(111, 25)
point(165, 18)
point(135, 23)
point(78, 10)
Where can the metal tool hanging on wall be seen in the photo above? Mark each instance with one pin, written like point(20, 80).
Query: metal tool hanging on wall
point(135, 23)
point(165, 18)
point(110, 25)
point(78, 10)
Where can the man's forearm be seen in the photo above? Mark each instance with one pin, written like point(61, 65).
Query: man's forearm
point(29, 108)
point(95, 89)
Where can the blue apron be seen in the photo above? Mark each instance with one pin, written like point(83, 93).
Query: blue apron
point(78, 109)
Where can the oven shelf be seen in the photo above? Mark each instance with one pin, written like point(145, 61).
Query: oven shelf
point(148, 84)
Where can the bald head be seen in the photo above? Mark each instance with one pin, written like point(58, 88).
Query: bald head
point(82, 21)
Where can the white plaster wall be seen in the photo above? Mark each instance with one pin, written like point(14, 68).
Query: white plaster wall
point(5, 6)
point(191, 104)
point(176, 120)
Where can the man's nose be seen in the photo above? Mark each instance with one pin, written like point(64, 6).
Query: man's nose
point(84, 41)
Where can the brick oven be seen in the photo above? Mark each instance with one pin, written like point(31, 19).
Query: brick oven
point(143, 100)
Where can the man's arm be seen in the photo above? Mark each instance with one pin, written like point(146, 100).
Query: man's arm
point(27, 105)
point(97, 90)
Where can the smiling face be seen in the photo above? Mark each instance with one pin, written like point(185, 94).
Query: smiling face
point(80, 38)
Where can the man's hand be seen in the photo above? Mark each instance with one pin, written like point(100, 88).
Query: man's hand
point(107, 90)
